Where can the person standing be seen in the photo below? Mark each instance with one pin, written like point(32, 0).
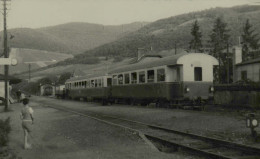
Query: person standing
point(27, 121)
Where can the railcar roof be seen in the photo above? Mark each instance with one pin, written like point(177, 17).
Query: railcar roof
point(86, 77)
point(165, 61)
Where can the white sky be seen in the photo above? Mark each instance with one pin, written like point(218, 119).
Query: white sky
point(41, 13)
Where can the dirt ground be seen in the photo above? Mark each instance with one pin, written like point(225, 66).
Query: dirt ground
point(227, 124)
point(60, 135)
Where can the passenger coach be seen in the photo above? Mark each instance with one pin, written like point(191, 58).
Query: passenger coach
point(89, 88)
point(183, 78)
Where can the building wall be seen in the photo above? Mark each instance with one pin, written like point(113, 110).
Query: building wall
point(253, 71)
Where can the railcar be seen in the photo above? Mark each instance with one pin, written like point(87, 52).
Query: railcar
point(89, 88)
point(180, 79)
point(60, 91)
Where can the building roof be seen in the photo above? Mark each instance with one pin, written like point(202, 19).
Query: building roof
point(256, 60)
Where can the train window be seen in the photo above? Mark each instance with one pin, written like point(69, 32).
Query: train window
point(102, 82)
point(99, 82)
point(142, 77)
point(114, 79)
point(127, 78)
point(92, 83)
point(85, 84)
point(109, 81)
point(133, 77)
point(120, 79)
point(96, 83)
point(161, 75)
point(197, 73)
point(88, 83)
point(150, 76)
point(243, 75)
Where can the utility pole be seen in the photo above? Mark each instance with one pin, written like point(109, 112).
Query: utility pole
point(228, 63)
point(175, 48)
point(6, 55)
point(29, 73)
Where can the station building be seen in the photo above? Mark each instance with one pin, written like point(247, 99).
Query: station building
point(243, 70)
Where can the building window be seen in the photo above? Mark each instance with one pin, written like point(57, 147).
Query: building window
point(142, 77)
point(197, 73)
point(150, 76)
point(114, 79)
point(127, 78)
point(134, 77)
point(161, 75)
point(244, 75)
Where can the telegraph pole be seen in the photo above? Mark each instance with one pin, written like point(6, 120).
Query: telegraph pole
point(29, 73)
point(6, 55)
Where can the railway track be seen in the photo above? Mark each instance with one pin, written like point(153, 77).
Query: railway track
point(177, 140)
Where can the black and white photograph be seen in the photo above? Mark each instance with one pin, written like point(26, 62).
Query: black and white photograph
point(129, 79)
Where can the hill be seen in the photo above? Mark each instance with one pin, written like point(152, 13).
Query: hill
point(36, 58)
point(71, 38)
point(165, 33)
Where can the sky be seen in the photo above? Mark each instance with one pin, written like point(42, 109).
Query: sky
point(42, 13)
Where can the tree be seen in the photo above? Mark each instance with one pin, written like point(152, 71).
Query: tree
point(250, 41)
point(219, 39)
point(195, 43)
point(64, 77)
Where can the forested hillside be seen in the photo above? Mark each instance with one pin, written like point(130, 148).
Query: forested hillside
point(164, 33)
point(70, 38)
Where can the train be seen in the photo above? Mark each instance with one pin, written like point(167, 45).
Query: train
point(182, 79)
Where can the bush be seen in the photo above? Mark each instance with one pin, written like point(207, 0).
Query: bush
point(5, 129)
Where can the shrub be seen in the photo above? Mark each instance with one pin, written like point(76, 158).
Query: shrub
point(5, 129)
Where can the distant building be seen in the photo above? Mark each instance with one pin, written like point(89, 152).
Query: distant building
point(243, 70)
